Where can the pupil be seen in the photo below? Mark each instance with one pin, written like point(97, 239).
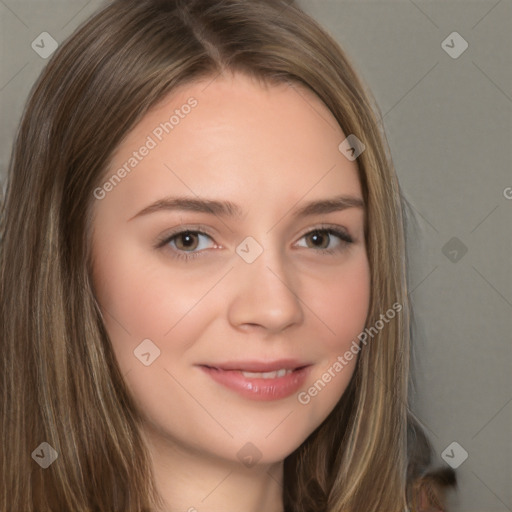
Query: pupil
point(316, 236)
point(188, 239)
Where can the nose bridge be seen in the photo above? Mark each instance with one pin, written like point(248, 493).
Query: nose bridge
point(266, 288)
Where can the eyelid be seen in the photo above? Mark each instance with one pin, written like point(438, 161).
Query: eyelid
point(336, 228)
point(199, 228)
point(205, 230)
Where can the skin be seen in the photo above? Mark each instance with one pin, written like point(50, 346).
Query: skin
point(269, 149)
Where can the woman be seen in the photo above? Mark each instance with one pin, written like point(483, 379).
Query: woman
point(257, 371)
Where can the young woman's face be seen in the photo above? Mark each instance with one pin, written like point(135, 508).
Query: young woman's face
point(250, 286)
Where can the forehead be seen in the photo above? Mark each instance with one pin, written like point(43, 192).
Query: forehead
point(238, 136)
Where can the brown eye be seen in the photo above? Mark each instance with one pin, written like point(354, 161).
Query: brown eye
point(187, 240)
point(320, 239)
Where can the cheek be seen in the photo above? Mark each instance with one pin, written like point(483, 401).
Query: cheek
point(342, 304)
point(140, 294)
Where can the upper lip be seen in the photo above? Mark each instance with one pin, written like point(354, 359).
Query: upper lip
point(259, 366)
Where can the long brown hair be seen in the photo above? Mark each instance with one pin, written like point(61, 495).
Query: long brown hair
point(59, 380)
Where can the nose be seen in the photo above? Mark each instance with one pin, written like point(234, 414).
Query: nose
point(265, 294)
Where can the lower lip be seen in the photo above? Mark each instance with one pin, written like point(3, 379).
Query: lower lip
point(258, 388)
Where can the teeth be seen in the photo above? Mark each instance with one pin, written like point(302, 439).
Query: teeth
point(267, 375)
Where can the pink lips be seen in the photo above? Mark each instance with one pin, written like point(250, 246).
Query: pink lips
point(230, 375)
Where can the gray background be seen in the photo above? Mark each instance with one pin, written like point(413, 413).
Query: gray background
point(448, 122)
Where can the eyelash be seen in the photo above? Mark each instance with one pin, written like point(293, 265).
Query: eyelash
point(345, 238)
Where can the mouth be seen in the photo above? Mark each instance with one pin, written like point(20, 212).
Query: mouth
point(274, 374)
point(260, 380)
point(254, 366)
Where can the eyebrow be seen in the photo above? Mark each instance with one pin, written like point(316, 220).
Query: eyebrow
point(229, 209)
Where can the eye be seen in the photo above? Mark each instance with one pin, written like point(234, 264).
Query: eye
point(188, 244)
point(183, 242)
point(189, 240)
point(322, 237)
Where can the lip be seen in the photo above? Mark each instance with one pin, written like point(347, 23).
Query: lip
point(259, 388)
point(259, 366)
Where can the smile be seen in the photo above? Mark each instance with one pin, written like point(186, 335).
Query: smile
point(262, 386)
